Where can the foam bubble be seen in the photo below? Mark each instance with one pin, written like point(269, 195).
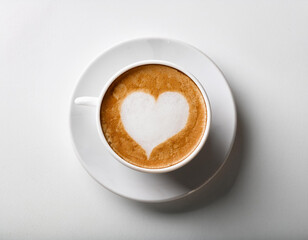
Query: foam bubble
point(151, 122)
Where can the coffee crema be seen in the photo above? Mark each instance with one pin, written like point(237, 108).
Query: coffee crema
point(161, 83)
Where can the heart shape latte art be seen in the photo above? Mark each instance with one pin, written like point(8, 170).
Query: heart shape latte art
point(151, 122)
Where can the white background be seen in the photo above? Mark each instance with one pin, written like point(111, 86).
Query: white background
point(262, 48)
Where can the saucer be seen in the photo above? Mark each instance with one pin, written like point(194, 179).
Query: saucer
point(130, 183)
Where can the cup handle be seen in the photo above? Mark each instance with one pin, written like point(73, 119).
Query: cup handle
point(86, 101)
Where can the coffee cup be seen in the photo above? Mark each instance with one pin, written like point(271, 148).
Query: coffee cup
point(132, 130)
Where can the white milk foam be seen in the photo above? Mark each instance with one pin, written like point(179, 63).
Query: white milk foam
point(151, 122)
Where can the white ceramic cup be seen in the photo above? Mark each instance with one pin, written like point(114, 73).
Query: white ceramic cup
point(96, 102)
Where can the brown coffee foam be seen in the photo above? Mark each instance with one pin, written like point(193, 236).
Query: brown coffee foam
point(153, 79)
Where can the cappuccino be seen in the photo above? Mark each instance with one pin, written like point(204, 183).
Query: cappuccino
point(153, 116)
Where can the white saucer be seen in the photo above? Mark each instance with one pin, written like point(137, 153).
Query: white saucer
point(144, 186)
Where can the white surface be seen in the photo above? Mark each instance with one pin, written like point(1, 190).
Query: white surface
point(260, 46)
point(93, 152)
point(151, 122)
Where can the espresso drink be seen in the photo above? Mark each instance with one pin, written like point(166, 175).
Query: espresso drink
point(153, 116)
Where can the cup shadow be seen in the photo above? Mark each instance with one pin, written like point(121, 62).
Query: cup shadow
point(217, 187)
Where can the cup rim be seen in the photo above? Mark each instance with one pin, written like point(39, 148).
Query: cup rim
point(154, 170)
